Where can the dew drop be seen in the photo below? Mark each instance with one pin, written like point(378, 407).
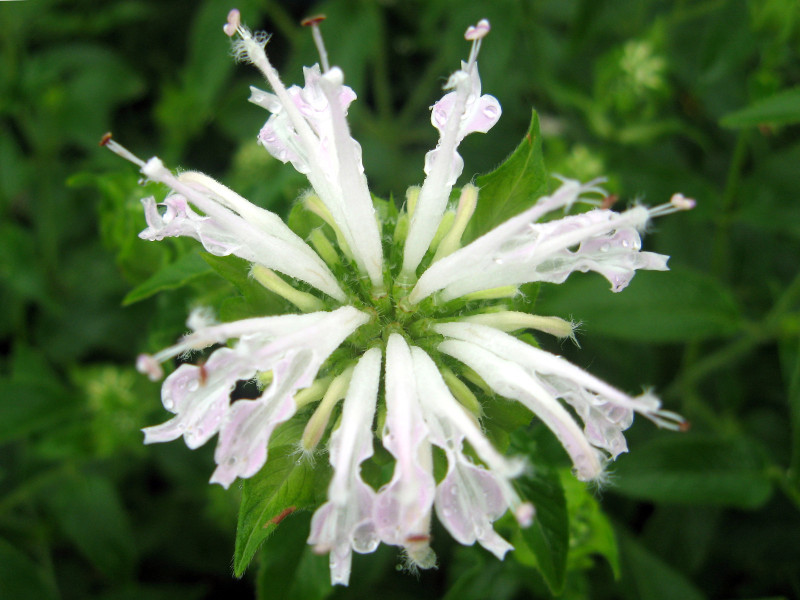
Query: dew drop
point(193, 385)
point(498, 261)
point(625, 243)
point(168, 403)
point(605, 248)
point(231, 461)
point(490, 111)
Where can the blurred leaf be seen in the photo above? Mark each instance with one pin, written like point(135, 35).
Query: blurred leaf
point(187, 268)
point(285, 483)
point(289, 568)
point(647, 576)
point(793, 384)
point(590, 531)
point(782, 108)
point(512, 187)
point(675, 306)
point(76, 86)
point(694, 469)
point(20, 577)
point(91, 515)
point(27, 407)
point(547, 539)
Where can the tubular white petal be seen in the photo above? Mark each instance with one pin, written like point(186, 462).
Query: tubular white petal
point(510, 380)
point(470, 497)
point(292, 347)
point(521, 251)
point(238, 235)
point(345, 522)
point(456, 115)
point(403, 506)
point(605, 410)
point(308, 128)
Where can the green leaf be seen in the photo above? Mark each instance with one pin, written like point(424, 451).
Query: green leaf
point(511, 188)
point(27, 407)
point(284, 483)
point(694, 469)
point(647, 576)
point(90, 513)
point(20, 577)
point(793, 381)
point(675, 306)
point(547, 538)
point(590, 531)
point(289, 569)
point(255, 300)
point(175, 275)
point(782, 108)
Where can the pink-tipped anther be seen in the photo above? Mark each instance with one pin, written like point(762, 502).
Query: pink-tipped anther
point(524, 514)
point(477, 32)
point(234, 21)
point(681, 202)
point(147, 365)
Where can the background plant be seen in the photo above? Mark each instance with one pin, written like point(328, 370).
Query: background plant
point(697, 96)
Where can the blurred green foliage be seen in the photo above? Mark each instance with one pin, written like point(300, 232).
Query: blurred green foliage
point(661, 96)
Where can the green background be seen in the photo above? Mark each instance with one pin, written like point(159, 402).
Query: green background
point(699, 97)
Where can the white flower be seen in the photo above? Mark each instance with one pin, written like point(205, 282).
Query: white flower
point(376, 314)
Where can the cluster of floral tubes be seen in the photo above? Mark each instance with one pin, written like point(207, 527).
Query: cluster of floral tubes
point(427, 404)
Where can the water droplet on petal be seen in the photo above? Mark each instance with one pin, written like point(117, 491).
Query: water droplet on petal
point(490, 111)
point(605, 248)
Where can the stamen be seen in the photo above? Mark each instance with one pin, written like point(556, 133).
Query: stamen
point(314, 22)
point(120, 150)
point(234, 22)
point(475, 34)
point(524, 514)
point(667, 419)
point(677, 203)
point(146, 364)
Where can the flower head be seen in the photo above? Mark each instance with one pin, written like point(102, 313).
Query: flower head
point(391, 341)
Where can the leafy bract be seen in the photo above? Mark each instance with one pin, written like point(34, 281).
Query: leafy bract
point(511, 188)
point(174, 275)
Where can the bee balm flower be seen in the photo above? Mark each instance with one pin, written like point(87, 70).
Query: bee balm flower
point(358, 324)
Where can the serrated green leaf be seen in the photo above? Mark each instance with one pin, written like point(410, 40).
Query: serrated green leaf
point(782, 108)
point(511, 188)
point(90, 513)
point(687, 305)
point(284, 483)
point(695, 469)
point(590, 531)
point(289, 569)
point(548, 536)
point(647, 576)
point(175, 275)
point(20, 577)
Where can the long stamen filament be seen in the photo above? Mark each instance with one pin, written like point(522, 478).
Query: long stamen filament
point(314, 22)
